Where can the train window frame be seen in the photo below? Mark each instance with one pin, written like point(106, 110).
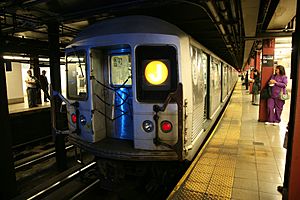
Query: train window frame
point(129, 78)
point(155, 93)
point(81, 64)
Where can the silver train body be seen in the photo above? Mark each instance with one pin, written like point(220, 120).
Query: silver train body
point(141, 89)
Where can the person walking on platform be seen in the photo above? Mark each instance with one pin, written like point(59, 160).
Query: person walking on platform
point(31, 89)
point(256, 87)
point(246, 80)
point(44, 85)
point(275, 105)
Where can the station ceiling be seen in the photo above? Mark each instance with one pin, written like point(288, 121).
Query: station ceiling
point(229, 28)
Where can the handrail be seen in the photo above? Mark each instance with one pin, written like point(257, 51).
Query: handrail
point(115, 90)
point(177, 96)
point(56, 93)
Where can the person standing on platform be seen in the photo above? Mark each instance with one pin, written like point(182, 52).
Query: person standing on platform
point(256, 87)
point(45, 85)
point(275, 105)
point(31, 89)
point(246, 80)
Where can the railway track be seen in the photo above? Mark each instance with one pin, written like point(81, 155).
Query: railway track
point(83, 182)
point(57, 186)
point(37, 158)
point(66, 185)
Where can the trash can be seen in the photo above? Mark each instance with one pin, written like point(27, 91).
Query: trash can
point(256, 99)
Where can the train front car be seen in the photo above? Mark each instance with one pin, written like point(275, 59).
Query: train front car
point(124, 82)
point(140, 89)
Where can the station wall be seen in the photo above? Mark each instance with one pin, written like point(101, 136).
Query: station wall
point(14, 83)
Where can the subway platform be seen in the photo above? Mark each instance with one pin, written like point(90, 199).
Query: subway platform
point(20, 108)
point(244, 159)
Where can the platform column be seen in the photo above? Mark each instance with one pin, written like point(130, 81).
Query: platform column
point(7, 173)
point(266, 72)
point(56, 116)
point(251, 75)
point(34, 64)
point(292, 171)
point(257, 60)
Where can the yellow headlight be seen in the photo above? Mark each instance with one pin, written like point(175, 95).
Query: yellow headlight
point(156, 72)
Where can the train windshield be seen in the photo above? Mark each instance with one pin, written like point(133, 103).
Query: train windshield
point(76, 75)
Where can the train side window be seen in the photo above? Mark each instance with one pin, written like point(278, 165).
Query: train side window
point(120, 70)
point(76, 76)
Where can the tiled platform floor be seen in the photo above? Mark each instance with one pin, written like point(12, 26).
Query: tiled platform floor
point(245, 158)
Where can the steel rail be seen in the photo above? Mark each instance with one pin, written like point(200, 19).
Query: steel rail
point(39, 159)
point(64, 181)
point(85, 189)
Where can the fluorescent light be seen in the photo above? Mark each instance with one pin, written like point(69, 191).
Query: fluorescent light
point(16, 58)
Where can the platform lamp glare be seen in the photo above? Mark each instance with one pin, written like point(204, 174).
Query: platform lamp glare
point(156, 72)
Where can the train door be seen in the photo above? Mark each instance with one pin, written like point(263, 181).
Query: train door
point(199, 92)
point(113, 92)
point(224, 81)
point(119, 63)
point(204, 60)
point(215, 86)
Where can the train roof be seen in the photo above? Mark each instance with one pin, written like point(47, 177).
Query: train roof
point(129, 24)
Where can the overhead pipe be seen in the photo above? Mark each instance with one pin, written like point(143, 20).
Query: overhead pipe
point(237, 28)
point(212, 14)
point(236, 15)
point(216, 17)
point(231, 43)
point(211, 11)
point(223, 9)
point(230, 28)
point(233, 9)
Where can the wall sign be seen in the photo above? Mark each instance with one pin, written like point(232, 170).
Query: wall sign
point(267, 60)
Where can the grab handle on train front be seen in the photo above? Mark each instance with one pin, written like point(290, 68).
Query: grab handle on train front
point(56, 93)
point(177, 96)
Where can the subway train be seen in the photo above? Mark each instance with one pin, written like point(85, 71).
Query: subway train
point(140, 89)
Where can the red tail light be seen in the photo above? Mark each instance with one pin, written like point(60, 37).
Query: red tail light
point(166, 126)
point(74, 118)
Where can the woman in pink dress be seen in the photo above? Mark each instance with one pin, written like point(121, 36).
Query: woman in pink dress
point(278, 82)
